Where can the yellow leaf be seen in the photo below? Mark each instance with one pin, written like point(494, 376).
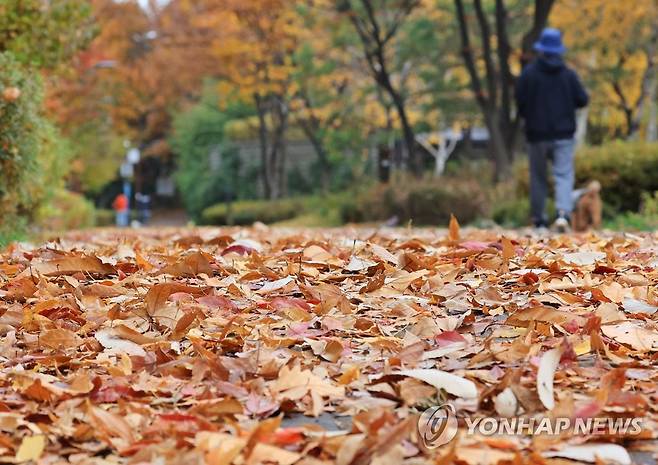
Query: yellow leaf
point(508, 249)
point(60, 338)
point(31, 448)
point(583, 347)
point(453, 229)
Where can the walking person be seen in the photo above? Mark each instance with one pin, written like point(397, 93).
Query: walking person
point(120, 206)
point(143, 204)
point(548, 93)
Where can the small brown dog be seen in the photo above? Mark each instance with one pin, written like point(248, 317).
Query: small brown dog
point(588, 211)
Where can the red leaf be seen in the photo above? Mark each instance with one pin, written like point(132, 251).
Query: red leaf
point(588, 410)
point(530, 278)
point(475, 246)
point(602, 269)
point(239, 249)
point(572, 327)
point(448, 337)
point(177, 417)
point(286, 437)
point(281, 303)
point(218, 302)
point(111, 394)
point(598, 296)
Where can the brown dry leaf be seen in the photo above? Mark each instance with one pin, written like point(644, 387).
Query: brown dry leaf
point(263, 453)
point(142, 263)
point(20, 288)
point(373, 284)
point(221, 451)
point(157, 295)
point(317, 254)
point(60, 339)
point(331, 296)
point(110, 339)
point(110, 424)
point(413, 391)
point(191, 265)
point(636, 335)
point(124, 332)
point(509, 251)
point(318, 347)
point(349, 448)
point(294, 383)
point(453, 229)
point(70, 265)
point(527, 316)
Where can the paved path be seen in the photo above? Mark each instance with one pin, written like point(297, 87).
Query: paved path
point(166, 218)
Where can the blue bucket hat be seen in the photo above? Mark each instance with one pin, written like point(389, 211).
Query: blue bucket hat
point(550, 41)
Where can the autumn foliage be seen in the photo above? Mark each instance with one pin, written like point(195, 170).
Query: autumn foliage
point(265, 346)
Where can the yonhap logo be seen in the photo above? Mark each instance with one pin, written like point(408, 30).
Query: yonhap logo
point(437, 426)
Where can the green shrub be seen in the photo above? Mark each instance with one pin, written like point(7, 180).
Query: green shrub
point(14, 231)
point(644, 220)
point(247, 212)
point(64, 211)
point(209, 170)
point(626, 170)
point(512, 212)
point(33, 154)
point(21, 124)
point(105, 217)
point(45, 34)
point(424, 202)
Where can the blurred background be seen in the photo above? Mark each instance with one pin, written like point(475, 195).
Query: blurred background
point(308, 112)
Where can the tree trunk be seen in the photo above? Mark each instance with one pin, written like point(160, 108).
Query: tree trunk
point(276, 166)
point(646, 98)
point(407, 131)
point(384, 163)
point(581, 126)
point(632, 125)
point(282, 173)
point(500, 151)
point(262, 137)
point(540, 19)
point(323, 157)
point(325, 165)
point(652, 124)
point(410, 143)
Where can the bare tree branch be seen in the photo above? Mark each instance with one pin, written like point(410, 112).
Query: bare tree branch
point(485, 31)
point(467, 54)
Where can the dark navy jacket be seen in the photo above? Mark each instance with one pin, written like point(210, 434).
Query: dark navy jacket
point(547, 96)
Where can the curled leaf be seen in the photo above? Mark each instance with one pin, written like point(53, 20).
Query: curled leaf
point(546, 375)
point(453, 384)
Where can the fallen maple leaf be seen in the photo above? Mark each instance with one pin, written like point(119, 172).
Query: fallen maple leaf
point(453, 229)
point(71, 265)
point(60, 339)
point(593, 453)
point(157, 295)
point(293, 383)
point(31, 448)
point(111, 340)
point(453, 384)
point(546, 375)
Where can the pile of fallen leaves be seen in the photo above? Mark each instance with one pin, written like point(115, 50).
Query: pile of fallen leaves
point(260, 345)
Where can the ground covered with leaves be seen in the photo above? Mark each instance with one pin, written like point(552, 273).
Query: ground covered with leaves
point(263, 345)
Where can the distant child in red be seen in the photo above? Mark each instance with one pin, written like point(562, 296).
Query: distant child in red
point(120, 206)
